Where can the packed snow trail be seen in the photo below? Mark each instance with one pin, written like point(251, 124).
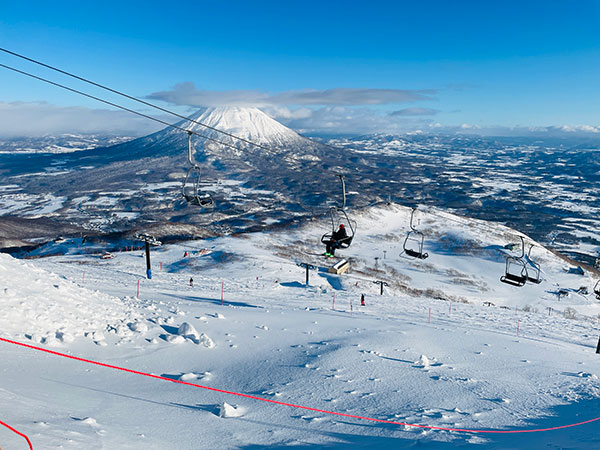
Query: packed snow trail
point(253, 397)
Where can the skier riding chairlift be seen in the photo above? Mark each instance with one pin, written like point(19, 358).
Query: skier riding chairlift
point(339, 237)
point(337, 240)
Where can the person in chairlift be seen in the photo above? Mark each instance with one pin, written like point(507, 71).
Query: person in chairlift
point(333, 243)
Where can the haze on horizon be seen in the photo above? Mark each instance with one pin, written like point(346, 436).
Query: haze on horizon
point(491, 68)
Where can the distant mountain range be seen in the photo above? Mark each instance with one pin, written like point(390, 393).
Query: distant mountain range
point(64, 143)
point(548, 190)
point(138, 183)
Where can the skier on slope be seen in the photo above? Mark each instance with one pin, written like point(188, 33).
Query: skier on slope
point(336, 237)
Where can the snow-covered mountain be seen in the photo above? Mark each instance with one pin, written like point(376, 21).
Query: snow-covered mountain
point(249, 124)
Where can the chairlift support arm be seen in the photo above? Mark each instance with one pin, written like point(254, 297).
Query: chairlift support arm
point(412, 214)
point(190, 157)
point(342, 179)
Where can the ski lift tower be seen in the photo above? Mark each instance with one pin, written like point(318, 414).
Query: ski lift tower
point(148, 240)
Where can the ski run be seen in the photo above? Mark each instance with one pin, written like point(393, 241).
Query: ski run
point(446, 345)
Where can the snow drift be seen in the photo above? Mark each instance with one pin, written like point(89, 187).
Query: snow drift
point(49, 309)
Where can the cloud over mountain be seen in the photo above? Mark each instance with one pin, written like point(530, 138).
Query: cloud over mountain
point(41, 118)
point(407, 112)
point(187, 94)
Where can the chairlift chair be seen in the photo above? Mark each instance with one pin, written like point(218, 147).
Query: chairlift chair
point(191, 189)
point(534, 271)
point(413, 244)
point(515, 272)
point(339, 216)
point(192, 192)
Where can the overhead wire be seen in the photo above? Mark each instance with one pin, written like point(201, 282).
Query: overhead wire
point(130, 97)
point(473, 223)
point(62, 86)
point(115, 91)
point(175, 126)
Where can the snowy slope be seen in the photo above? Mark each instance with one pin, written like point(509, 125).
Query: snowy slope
point(46, 308)
point(426, 352)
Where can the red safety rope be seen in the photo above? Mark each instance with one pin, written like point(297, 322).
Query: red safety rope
point(17, 432)
point(308, 408)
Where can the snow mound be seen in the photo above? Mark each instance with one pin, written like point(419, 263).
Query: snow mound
point(188, 331)
point(90, 421)
point(48, 309)
point(175, 339)
point(139, 327)
point(228, 410)
point(205, 341)
point(216, 315)
point(191, 376)
point(423, 362)
point(188, 376)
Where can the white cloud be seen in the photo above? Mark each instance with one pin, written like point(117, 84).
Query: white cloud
point(283, 112)
point(344, 120)
point(40, 118)
point(579, 128)
point(415, 112)
point(537, 131)
point(187, 94)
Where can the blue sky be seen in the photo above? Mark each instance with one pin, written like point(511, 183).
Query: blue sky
point(376, 66)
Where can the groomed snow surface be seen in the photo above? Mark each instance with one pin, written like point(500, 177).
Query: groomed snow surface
point(427, 351)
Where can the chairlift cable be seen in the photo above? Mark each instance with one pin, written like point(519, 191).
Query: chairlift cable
point(114, 91)
point(22, 72)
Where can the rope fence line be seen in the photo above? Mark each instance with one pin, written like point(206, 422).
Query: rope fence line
point(293, 405)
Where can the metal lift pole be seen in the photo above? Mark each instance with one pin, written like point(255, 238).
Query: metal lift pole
point(308, 268)
point(148, 267)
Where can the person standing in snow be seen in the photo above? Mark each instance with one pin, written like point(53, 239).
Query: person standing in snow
point(362, 299)
point(191, 282)
point(337, 236)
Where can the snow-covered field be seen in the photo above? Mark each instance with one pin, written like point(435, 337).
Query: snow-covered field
point(425, 352)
